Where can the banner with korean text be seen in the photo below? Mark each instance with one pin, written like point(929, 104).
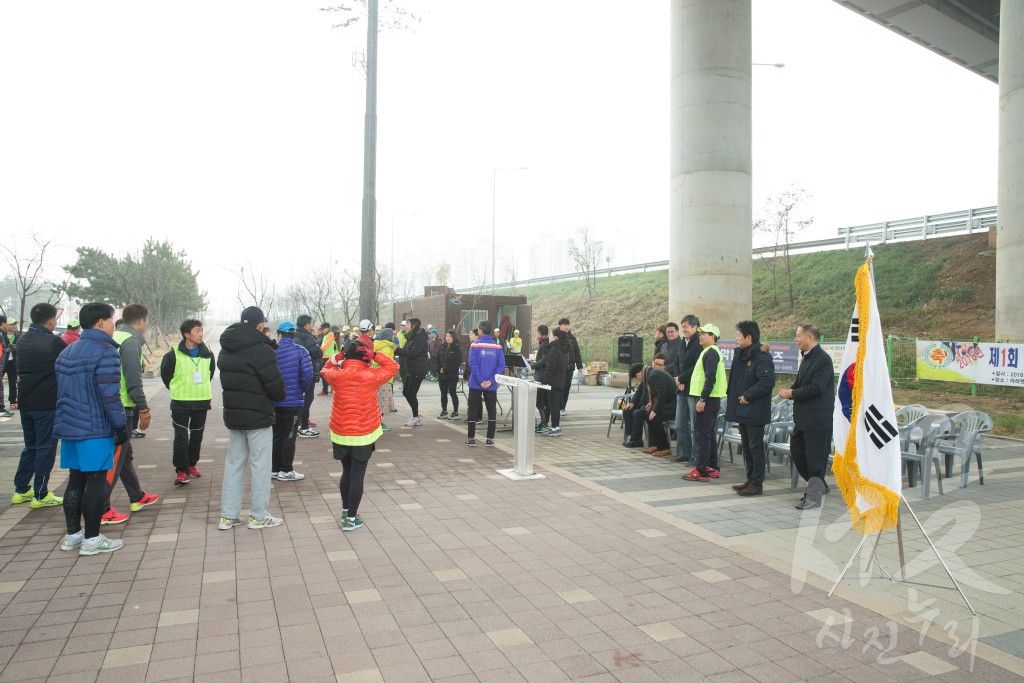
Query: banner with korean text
point(971, 362)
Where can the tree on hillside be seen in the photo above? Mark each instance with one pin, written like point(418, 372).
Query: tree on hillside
point(781, 219)
point(512, 271)
point(586, 254)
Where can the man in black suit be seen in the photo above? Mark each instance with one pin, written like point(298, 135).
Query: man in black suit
point(813, 396)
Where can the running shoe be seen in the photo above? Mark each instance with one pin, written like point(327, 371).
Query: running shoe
point(100, 544)
point(470, 442)
point(264, 523)
point(72, 541)
point(308, 433)
point(454, 416)
point(384, 427)
point(138, 434)
point(443, 415)
point(290, 476)
point(112, 516)
point(554, 431)
point(26, 497)
point(7, 413)
point(489, 442)
point(714, 472)
point(146, 500)
point(193, 472)
point(49, 501)
point(352, 523)
point(228, 522)
point(695, 475)
point(181, 479)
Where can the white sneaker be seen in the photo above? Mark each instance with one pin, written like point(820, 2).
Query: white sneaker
point(100, 544)
point(411, 422)
point(72, 541)
point(290, 476)
point(417, 421)
point(264, 523)
point(308, 433)
point(228, 522)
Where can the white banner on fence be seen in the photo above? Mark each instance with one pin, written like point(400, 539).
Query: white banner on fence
point(971, 362)
point(835, 350)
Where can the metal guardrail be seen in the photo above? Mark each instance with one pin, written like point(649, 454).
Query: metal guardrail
point(904, 230)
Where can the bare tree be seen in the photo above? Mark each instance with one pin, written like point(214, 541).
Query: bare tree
point(586, 255)
point(346, 296)
point(443, 275)
point(257, 287)
point(781, 220)
point(26, 268)
point(512, 270)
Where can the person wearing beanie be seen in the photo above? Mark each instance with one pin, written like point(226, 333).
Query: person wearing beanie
point(251, 383)
point(386, 393)
point(355, 420)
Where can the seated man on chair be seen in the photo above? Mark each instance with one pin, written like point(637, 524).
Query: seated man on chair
point(661, 408)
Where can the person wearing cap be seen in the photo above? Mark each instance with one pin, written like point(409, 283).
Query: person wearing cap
point(385, 346)
point(414, 351)
point(433, 349)
point(187, 372)
point(328, 348)
point(366, 336)
point(251, 383)
point(355, 420)
point(515, 344)
point(136, 409)
point(304, 338)
point(73, 333)
point(749, 401)
point(297, 371)
point(708, 385)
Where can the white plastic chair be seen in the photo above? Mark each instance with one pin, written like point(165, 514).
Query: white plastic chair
point(932, 428)
point(964, 442)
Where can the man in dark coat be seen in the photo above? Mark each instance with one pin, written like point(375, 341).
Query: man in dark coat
point(661, 388)
point(749, 402)
point(304, 338)
point(37, 376)
point(634, 411)
point(575, 359)
point(813, 396)
point(251, 382)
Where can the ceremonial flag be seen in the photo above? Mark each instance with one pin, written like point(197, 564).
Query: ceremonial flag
point(867, 457)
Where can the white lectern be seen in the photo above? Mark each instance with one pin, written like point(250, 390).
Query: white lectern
point(524, 396)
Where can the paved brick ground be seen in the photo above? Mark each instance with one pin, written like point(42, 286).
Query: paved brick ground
point(461, 575)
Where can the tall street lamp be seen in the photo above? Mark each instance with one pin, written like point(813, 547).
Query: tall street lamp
point(494, 232)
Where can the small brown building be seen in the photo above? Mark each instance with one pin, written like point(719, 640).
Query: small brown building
point(446, 309)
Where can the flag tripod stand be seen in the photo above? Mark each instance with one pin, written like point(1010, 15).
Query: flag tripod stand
point(899, 541)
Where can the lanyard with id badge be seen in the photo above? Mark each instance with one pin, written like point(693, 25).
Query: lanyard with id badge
point(197, 376)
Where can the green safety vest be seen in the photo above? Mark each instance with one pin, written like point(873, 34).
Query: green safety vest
point(698, 378)
point(120, 336)
point(183, 387)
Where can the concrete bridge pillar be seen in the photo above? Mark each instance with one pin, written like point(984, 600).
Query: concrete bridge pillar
point(710, 217)
point(1010, 228)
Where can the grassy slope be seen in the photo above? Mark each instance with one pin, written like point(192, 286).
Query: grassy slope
point(925, 289)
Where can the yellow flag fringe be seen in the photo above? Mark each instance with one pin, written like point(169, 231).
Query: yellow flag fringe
point(885, 503)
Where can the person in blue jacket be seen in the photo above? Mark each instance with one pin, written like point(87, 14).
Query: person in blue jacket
point(90, 422)
point(486, 359)
point(297, 369)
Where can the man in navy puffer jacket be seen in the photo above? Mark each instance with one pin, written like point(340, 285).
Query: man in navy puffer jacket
point(297, 369)
point(90, 422)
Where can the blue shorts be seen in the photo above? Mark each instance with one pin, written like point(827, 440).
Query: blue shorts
point(87, 455)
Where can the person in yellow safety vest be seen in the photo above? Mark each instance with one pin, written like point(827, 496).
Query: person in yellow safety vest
point(187, 371)
point(515, 343)
point(130, 340)
point(709, 386)
point(329, 348)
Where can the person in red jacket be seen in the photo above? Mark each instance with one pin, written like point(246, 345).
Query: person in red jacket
point(355, 418)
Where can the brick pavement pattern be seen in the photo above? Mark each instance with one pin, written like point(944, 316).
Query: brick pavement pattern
point(459, 575)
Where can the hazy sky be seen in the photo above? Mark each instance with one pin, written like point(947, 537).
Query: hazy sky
point(235, 128)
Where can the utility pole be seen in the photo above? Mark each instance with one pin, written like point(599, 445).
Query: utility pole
point(368, 270)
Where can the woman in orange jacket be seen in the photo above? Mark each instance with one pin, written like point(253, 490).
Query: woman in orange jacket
point(355, 418)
